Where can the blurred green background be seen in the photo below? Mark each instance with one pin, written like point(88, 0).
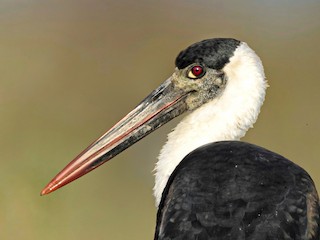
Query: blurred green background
point(70, 69)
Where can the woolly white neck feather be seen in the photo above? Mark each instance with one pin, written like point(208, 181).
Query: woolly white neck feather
point(227, 117)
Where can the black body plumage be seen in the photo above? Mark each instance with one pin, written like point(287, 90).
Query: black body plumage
point(235, 190)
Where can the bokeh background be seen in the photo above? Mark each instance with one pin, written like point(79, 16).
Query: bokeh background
point(70, 69)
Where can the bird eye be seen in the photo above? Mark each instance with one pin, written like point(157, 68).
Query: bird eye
point(196, 72)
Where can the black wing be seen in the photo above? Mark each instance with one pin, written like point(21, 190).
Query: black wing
point(235, 190)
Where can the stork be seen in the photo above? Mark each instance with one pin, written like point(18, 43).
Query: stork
point(210, 185)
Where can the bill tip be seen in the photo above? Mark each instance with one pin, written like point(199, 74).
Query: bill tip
point(52, 186)
point(44, 192)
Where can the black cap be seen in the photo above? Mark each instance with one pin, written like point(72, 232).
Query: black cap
point(213, 53)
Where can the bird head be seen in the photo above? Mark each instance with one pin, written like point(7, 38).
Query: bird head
point(202, 74)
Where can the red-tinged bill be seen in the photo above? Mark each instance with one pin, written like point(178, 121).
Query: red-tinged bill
point(162, 105)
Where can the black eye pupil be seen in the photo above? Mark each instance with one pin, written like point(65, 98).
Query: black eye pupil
point(197, 70)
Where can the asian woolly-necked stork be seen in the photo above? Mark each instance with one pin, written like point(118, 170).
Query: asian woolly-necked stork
point(208, 184)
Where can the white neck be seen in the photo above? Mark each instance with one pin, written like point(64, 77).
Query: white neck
point(227, 117)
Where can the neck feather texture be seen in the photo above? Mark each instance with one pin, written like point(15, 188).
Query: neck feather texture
point(227, 117)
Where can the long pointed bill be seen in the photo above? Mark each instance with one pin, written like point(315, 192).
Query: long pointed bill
point(158, 108)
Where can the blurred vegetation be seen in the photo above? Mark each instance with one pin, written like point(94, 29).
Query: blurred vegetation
point(70, 69)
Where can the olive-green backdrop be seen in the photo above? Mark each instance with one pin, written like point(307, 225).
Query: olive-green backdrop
point(70, 69)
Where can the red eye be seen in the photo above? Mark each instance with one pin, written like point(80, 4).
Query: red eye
point(196, 72)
